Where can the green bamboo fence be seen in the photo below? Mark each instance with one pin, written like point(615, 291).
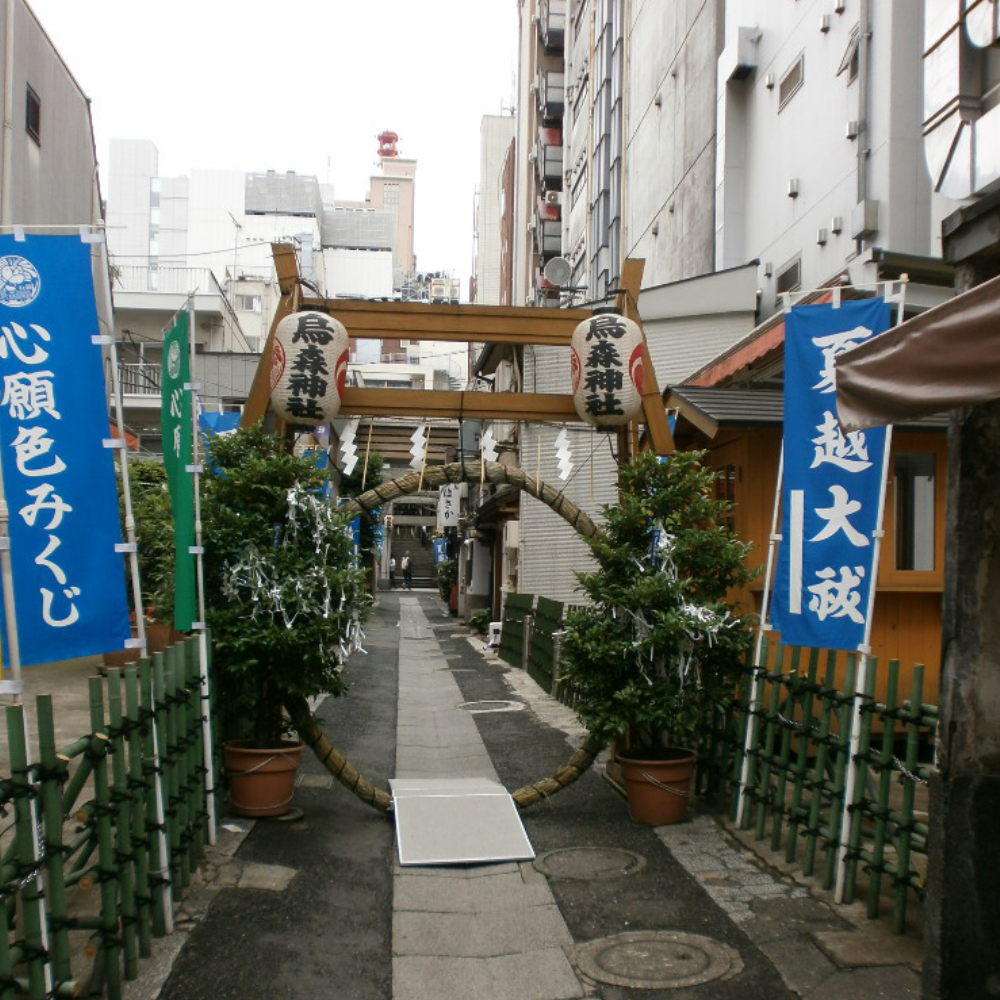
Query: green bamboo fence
point(547, 622)
point(796, 767)
point(85, 821)
point(516, 609)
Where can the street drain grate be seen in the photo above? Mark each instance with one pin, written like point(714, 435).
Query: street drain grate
point(589, 863)
point(483, 707)
point(656, 960)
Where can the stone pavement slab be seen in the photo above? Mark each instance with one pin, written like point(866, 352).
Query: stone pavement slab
point(475, 931)
point(533, 975)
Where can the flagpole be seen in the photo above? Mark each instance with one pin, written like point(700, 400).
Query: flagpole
point(201, 625)
point(764, 626)
point(15, 686)
point(864, 654)
point(130, 547)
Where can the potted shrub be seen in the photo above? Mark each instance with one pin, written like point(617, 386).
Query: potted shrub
point(658, 649)
point(285, 602)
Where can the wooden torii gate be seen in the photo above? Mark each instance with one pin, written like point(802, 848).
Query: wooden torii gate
point(462, 324)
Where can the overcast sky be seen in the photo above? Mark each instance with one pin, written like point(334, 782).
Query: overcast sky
point(303, 85)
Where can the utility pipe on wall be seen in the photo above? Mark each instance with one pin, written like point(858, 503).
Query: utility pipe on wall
point(8, 117)
point(864, 88)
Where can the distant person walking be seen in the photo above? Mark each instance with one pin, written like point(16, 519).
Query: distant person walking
point(392, 572)
point(407, 571)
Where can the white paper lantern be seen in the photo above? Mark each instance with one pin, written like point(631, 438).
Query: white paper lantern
point(606, 369)
point(308, 368)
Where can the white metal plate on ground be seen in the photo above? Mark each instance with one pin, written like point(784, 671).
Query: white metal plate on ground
point(456, 821)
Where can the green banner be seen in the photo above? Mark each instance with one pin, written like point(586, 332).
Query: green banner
point(175, 421)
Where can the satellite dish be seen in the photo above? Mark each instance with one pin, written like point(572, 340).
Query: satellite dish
point(557, 271)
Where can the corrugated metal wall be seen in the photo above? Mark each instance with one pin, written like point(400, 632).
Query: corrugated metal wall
point(550, 550)
point(679, 347)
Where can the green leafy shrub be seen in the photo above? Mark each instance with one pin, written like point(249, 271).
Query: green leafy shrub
point(478, 620)
point(285, 601)
point(447, 577)
point(658, 649)
point(154, 531)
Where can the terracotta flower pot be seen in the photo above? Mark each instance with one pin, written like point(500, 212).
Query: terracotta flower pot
point(261, 782)
point(658, 788)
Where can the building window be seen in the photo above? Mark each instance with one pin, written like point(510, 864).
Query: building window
point(789, 278)
point(914, 511)
point(33, 116)
point(725, 490)
point(249, 303)
point(849, 64)
point(790, 83)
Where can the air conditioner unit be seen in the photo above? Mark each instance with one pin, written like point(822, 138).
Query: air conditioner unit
point(511, 534)
point(553, 198)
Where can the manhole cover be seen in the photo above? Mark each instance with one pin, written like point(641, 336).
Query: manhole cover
point(589, 863)
point(482, 707)
point(657, 960)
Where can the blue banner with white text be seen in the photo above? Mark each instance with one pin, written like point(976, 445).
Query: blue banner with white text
point(58, 478)
point(831, 484)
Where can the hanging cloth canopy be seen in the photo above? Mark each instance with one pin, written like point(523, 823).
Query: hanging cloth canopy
point(946, 357)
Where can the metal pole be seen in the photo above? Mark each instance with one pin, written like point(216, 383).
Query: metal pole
point(199, 550)
point(763, 627)
point(864, 649)
point(130, 548)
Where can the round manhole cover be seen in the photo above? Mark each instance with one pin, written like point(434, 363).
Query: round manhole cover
point(657, 960)
point(482, 707)
point(589, 863)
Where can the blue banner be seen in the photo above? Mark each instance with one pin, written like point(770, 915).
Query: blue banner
point(440, 549)
point(59, 480)
point(831, 484)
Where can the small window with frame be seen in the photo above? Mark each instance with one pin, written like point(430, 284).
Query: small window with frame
point(850, 61)
point(790, 84)
point(33, 115)
point(789, 278)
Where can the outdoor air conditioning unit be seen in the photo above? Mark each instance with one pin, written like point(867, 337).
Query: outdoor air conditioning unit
point(553, 198)
point(511, 534)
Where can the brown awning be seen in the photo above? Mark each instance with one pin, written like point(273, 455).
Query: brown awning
point(946, 357)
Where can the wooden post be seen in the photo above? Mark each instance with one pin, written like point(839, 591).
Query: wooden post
point(139, 781)
point(105, 850)
point(123, 831)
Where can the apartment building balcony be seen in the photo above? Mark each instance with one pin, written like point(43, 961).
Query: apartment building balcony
point(140, 383)
point(548, 228)
point(177, 280)
point(552, 25)
point(551, 96)
point(549, 158)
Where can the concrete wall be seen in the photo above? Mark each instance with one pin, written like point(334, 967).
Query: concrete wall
point(495, 136)
point(670, 138)
point(762, 146)
point(51, 181)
